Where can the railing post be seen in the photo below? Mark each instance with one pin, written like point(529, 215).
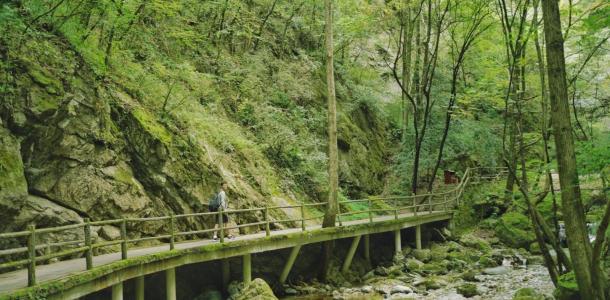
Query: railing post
point(445, 202)
point(430, 203)
point(89, 251)
point(222, 224)
point(32, 255)
point(124, 238)
point(395, 210)
point(267, 229)
point(172, 231)
point(415, 205)
point(302, 216)
point(370, 203)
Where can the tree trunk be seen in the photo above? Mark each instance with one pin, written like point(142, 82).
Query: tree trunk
point(333, 160)
point(573, 212)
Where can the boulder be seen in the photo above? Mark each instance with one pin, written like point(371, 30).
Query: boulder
point(472, 241)
point(401, 289)
point(528, 294)
point(514, 229)
point(257, 289)
point(468, 290)
point(423, 255)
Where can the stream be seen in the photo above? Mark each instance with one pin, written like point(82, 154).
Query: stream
point(500, 282)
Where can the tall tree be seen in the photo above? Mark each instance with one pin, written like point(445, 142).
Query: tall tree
point(573, 212)
point(333, 158)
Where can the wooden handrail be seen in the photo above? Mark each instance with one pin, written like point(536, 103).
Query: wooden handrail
point(87, 245)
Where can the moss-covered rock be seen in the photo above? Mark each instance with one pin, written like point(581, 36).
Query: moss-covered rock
point(257, 289)
point(567, 288)
point(468, 290)
point(469, 275)
point(413, 264)
point(472, 241)
point(514, 229)
point(528, 294)
point(486, 261)
point(435, 268)
point(423, 255)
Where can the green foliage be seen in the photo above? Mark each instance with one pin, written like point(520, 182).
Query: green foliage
point(593, 155)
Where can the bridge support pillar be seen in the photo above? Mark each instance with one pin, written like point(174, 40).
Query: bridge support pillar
point(226, 273)
point(350, 253)
point(367, 248)
point(397, 242)
point(117, 291)
point(247, 268)
point(140, 288)
point(418, 237)
point(288, 266)
point(170, 284)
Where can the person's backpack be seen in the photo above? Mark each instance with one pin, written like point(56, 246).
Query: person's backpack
point(214, 203)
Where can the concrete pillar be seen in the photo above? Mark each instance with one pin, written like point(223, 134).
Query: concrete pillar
point(140, 288)
point(247, 268)
point(288, 266)
point(117, 291)
point(418, 237)
point(397, 242)
point(170, 284)
point(226, 273)
point(350, 254)
point(367, 248)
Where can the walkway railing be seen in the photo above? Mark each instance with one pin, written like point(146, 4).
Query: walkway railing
point(361, 209)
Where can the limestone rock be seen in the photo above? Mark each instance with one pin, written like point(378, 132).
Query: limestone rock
point(13, 186)
point(110, 232)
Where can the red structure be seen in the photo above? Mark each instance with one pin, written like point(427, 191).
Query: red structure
point(451, 177)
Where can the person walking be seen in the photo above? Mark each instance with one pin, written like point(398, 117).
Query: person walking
point(219, 202)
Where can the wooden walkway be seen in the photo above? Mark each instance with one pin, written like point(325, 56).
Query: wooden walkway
point(18, 279)
point(74, 278)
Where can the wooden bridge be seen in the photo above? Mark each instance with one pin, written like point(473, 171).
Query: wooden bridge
point(74, 278)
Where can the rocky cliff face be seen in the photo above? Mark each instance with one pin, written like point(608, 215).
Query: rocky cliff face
point(76, 144)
